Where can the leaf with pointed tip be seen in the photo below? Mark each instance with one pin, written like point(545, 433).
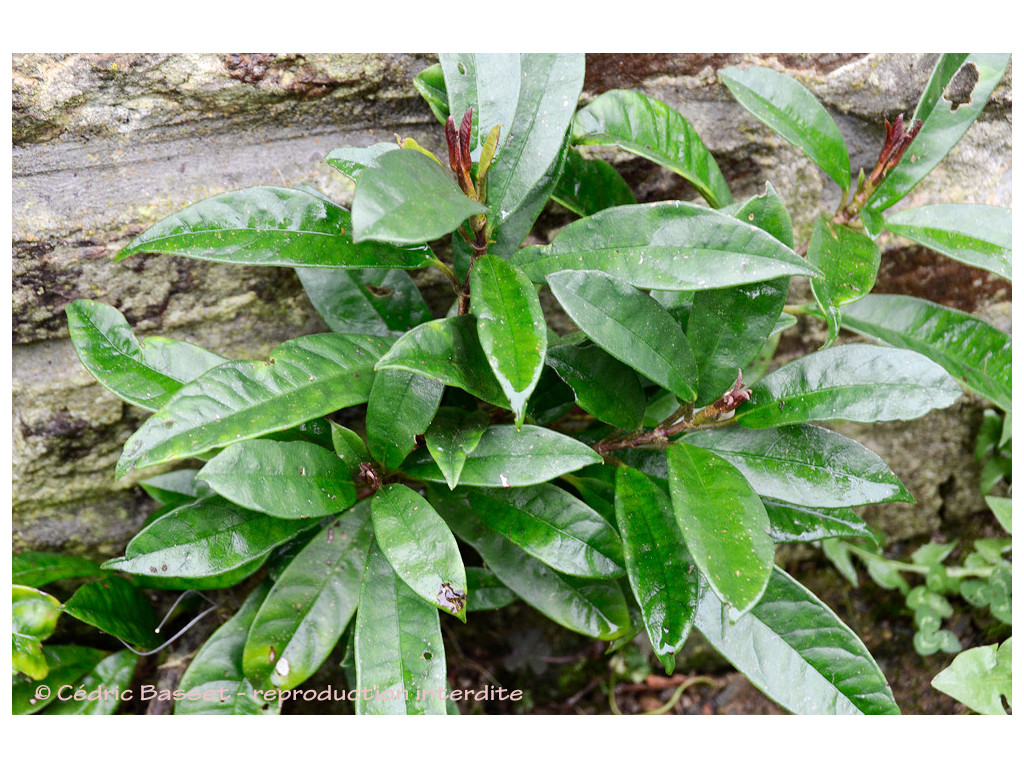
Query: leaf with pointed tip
point(67, 664)
point(849, 261)
point(93, 693)
point(796, 650)
point(589, 185)
point(977, 354)
point(373, 301)
point(651, 129)
point(979, 235)
point(452, 436)
point(352, 161)
point(307, 377)
point(489, 594)
point(401, 407)
point(114, 606)
point(431, 86)
point(855, 382)
point(36, 569)
point(667, 245)
point(349, 447)
point(603, 387)
point(792, 523)
point(980, 678)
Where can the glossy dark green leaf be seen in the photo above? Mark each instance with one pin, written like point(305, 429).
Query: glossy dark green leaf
point(489, 594)
point(792, 111)
point(373, 301)
point(114, 606)
point(977, 354)
point(979, 235)
point(596, 486)
point(792, 523)
point(408, 198)
point(855, 382)
point(629, 325)
point(307, 377)
point(144, 373)
point(804, 464)
point(661, 571)
point(209, 538)
point(452, 436)
point(36, 569)
point(797, 651)
point(215, 683)
point(668, 245)
point(553, 526)
point(98, 692)
point(592, 607)
point(401, 407)
point(349, 447)
point(589, 185)
point(945, 122)
point(430, 84)
point(300, 621)
point(286, 480)
point(447, 350)
point(511, 328)
point(66, 664)
point(651, 129)
point(352, 161)
point(603, 387)
point(270, 227)
point(980, 678)
point(420, 548)
point(399, 651)
point(765, 211)
point(507, 457)
point(724, 524)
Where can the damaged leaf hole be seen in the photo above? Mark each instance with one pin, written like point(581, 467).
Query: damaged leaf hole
point(961, 86)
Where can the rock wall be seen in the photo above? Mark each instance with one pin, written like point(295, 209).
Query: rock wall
point(105, 145)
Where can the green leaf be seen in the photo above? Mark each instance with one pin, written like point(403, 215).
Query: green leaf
point(595, 608)
point(399, 652)
point(408, 198)
point(792, 523)
point(553, 526)
point(804, 464)
point(36, 569)
point(511, 328)
point(661, 571)
point(602, 386)
point(285, 480)
point(723, 522)
point(856, 382)
point(146, 373)
point(452, 436)
point(667, 245)
point(349, 447)
point(653, 130)
point(793, 112)
point(449, 351)
point(214, 683)
point(796, 651)
point(980, 677)
point(979, 235)
point(507, 457)
point(300, 621)
point(589, 185)
point(270, 227)
point(766, 211)
point(401, 407)
point(307, 377)
point(971, 350)
point(945, 123)
point(352, 161)
point(489, 594)
point(67, 663)
point(629, 325)
point(373, 301)
point(430, 84)
point(98, 692)
point(420, 548)
point(34, 618)
point(114, 606)
point(1003, 510)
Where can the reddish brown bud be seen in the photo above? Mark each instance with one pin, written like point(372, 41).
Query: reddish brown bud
point(453, 145)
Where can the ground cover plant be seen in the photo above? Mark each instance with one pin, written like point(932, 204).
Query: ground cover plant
point(634, 476)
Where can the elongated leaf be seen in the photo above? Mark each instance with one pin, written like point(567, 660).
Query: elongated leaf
point(401, 406)
point(373, 301)
point(630, 326)
point(214, 683)
point(723, 522)
point(399, 652)
point(98, 692)
point(36, 569)
point(849, 261)
point(511, 328)
point(804, 464)
point(66, 664)
point(945, 123)
point(300, 621)
point(973, 351)
point(430, 84)
point(553, 526)
point(661, 571)
point(452, 436)
point(653, 130)
point(668, 245)
point(856, 382)
point(980, 677)
point(352, 161)
point(797, 651)
point(146, 373)
point(286, 480)
point(792, 111)
point(596, 608)
point(307, 377)
point(602, 386)
point(408, 198)
point(489, 594)
point(979, 235)
point(270, 227)
point(589, 185)
point(507, 457)
point(449, 351)
point(791, 523)
point(114, 606)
